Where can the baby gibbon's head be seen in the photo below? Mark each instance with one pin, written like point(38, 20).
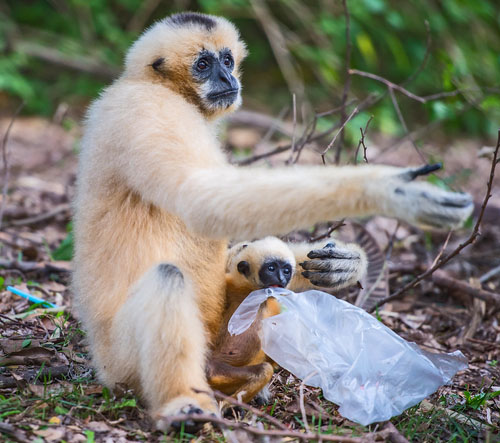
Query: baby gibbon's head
point(196, 55)
point(262, 263)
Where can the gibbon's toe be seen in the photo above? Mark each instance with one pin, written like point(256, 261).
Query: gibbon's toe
point(184, 406)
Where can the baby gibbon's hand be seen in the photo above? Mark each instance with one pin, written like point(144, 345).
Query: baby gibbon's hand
point(334, 266)
point(423, 204)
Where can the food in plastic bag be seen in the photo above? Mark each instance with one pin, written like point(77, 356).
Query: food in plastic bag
point(361, 365)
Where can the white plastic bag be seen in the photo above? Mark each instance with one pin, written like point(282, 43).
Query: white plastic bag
point(361, 365)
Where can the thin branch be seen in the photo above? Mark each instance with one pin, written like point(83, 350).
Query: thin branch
point(404, 91)
point(6, 163)
point(362, 142)
point(301, 400)
point(259, 413)
point(351, 115)
point(404, 125)
point(81, 63)
point(470, 240)
point(294, 104)
point(347, 78)
point(329, 231)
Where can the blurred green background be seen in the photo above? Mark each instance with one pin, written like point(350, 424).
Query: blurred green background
point(66, 51)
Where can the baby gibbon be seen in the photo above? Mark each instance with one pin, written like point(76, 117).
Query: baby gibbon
point(157, 202)
point(237, 365)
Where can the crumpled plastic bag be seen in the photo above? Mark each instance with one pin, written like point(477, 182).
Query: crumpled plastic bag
point(361, 365)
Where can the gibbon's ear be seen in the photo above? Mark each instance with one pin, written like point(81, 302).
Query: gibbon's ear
point(156, 65)
point(244, 268)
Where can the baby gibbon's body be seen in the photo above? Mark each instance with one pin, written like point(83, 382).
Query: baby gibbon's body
point(237, 365)
point(157, 202)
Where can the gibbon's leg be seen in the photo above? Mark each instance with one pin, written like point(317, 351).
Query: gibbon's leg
point(159, 337)
point(244, 381)
point(328, 264)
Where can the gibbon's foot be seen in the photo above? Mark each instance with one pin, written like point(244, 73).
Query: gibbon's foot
point(184, 405)
point(264, 396)
point(424, 204)
point(333, 266)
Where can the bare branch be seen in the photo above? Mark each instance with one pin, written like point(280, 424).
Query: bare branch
point(404, 125)
point(362, 142)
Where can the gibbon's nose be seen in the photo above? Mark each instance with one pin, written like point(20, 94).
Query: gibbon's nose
point(283, 279)
point(225, 77)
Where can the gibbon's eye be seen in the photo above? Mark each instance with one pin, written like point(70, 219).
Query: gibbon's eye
point(202, 64)
point(271, 268)
point(228, 60)
point(287, 270)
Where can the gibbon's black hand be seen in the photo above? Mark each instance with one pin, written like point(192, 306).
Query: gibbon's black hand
point(331, 266)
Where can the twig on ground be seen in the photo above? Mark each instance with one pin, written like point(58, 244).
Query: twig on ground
point(30, 266)
point(333, 227)
point(470, 240)
point(489, 275)
point(301, 401)
point(444, 280)
point(40, 217)
point(234, 402)
point(6, 164)
point(362, 142)
point(262, 432)
point(347, 79)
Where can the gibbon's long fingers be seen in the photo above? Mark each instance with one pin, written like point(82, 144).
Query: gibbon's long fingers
point(328, 279)
point(168, 356)
point(336, 253)
point(331, 265)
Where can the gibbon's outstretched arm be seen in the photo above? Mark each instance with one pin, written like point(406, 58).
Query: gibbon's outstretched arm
point(230, 202)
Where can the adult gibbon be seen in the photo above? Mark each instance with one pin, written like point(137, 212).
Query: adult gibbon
point(157, 202)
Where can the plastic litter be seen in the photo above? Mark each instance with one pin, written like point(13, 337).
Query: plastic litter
point(361, 365)
point(30, 297)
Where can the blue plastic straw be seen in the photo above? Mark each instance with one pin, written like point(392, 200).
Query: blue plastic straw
point(30, 297)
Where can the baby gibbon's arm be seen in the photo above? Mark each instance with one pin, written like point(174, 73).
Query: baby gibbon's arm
point(328, 264)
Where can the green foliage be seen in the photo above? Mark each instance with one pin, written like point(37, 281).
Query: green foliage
point(388, 38)
point(65, 250)
point(479, 400)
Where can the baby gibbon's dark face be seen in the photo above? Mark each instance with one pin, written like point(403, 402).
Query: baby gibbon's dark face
point(218, 88)
point(273, 272)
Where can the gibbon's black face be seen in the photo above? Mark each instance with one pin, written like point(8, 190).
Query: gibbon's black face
point(273, 272)
point(213, 71)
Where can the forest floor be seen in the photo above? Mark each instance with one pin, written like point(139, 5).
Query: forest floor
point(48, 391)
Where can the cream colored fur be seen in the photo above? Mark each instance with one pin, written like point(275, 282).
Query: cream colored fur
point(154, 187)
